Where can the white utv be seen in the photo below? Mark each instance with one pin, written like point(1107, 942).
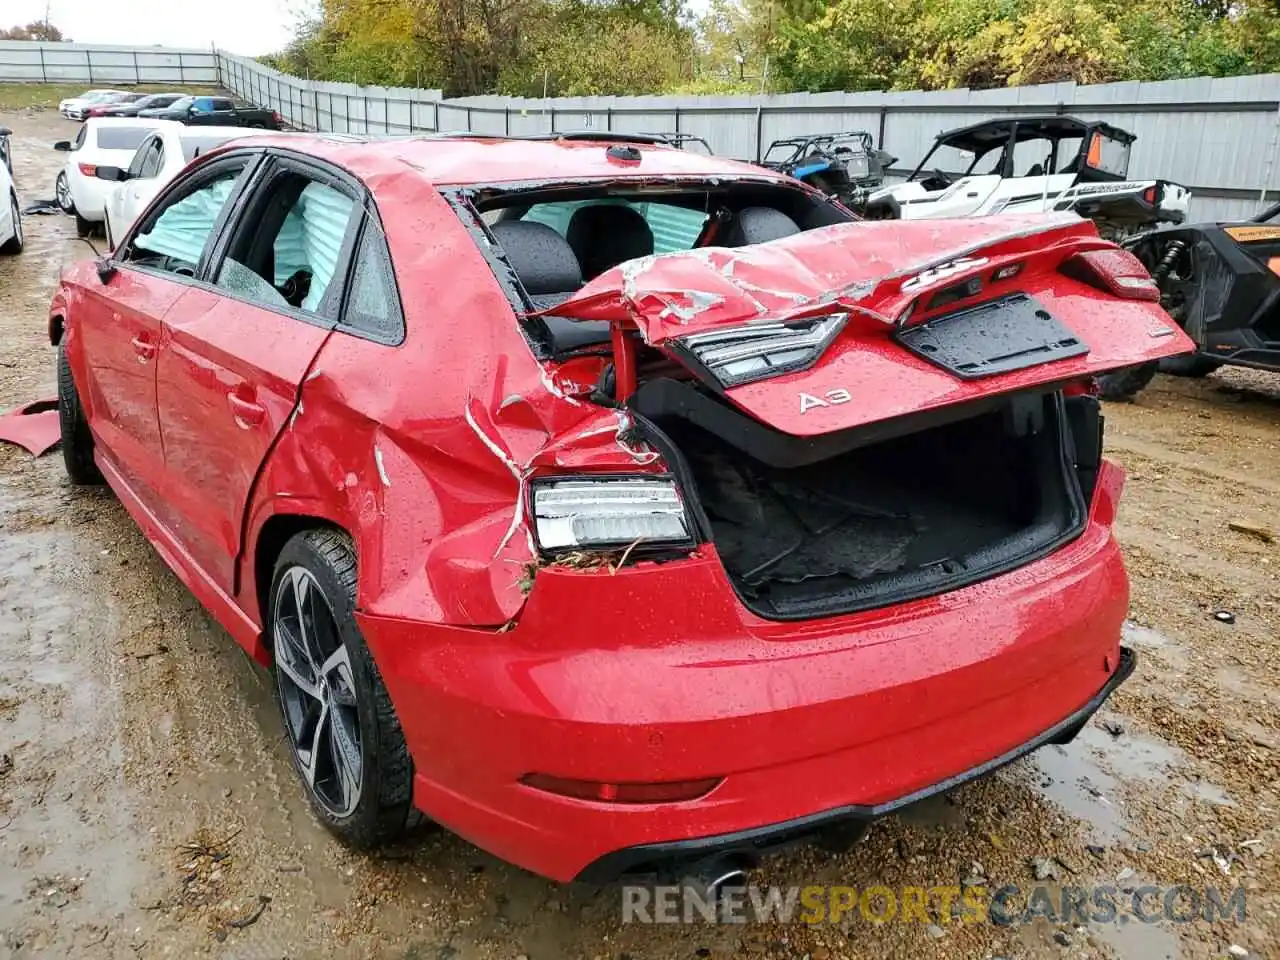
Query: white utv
point(1033, 165)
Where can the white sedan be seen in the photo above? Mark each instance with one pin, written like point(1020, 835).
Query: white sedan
point(10, 215)
point(158, 160)
point(73, 108)
point(102, 141)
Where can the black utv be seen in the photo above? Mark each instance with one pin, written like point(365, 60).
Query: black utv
point(1221, 282)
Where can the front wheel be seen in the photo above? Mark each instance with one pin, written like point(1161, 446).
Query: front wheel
point(344, 737)
point(1126, 383)
point(77, 441)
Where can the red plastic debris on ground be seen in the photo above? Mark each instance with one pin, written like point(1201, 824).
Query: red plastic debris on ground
point(34, 426)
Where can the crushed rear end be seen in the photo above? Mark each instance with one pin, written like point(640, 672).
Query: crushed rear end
point(869, 559)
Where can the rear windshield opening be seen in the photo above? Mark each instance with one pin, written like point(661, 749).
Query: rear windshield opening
point(557, 239)
point(122, 138)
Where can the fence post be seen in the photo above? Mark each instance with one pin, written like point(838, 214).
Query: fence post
point(366, 114)
point(506, 121)
point(469, 130)
point(884, 114)
point(553, 120)
point(182, 68)
point(677, 119)
point(759, 130)
point(137, 73)
point(608, 118)
point(88, 62)
point(44, 77)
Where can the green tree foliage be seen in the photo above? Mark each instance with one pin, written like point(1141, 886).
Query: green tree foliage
point(590, 47)
point(573, 47)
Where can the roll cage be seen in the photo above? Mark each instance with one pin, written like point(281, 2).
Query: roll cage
point(1102, 151)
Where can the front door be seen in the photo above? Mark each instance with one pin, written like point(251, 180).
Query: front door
point(237, 350)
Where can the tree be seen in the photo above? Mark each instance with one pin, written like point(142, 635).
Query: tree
point(36, 30)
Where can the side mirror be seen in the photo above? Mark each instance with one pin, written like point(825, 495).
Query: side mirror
point(63, 146)
point(192, 111)
point(115, 174)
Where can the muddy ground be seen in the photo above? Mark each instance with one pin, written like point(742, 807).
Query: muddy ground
point(148, 808)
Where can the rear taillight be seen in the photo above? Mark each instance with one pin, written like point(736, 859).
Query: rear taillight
point(1151, 195)
point(1115, 271)
point(88, 169)
point(671, 792)
point(275, 115)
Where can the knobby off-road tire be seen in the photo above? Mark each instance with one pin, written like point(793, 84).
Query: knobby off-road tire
point(1127, 383)
point(316, 572)
point(1190, 365)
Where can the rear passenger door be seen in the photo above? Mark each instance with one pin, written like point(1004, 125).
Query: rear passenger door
point(237, 348)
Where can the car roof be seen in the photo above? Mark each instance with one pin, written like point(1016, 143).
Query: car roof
point(131, 122)
point(472, 160)
point(983, 136)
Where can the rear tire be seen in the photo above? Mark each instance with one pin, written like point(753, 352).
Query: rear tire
point(1126, 383)
point(344, 737)
point(77, 441)
point(1191, 365)
point(13, 246)
point(62, 192)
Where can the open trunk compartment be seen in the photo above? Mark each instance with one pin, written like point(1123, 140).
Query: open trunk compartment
point(880, 516)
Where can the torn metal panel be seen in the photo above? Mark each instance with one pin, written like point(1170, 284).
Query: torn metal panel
point(34, 426)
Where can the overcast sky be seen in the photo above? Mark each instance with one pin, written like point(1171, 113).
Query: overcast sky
point(248, 27)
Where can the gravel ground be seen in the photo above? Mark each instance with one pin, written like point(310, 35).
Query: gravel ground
point(148, 809)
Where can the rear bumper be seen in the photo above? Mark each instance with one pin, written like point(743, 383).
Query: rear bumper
point(747, 846)
point(659, 674)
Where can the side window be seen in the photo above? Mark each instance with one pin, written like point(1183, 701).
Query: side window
point(140, 158)
point(223, 105)
point(153, 160)
point(78, 142)
point(175, 237)
point(373, 301)
point(286, 251)
point(203, 104)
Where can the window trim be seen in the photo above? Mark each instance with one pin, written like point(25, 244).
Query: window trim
point(277, 161)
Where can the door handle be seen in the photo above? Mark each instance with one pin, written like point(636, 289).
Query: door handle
point(145, 349)
point(247, 413)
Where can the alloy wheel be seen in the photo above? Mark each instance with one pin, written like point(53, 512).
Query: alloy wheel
point(62, 190)
point(318, 691)
point(17, 219)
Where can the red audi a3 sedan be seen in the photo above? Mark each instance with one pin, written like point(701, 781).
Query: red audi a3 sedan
point(619, 508)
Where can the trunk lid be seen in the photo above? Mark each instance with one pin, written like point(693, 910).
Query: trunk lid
point(936, 313)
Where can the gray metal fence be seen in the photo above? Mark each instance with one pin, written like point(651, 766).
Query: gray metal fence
point(26, 62)
point(1218, 136)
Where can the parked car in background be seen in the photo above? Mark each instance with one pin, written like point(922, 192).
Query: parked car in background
point(159, 159)
point(10, 211)
point(616, 563)
point(153, 101)
point(105, 108)
point(102, 140)
point(75, 107)
point(215, 112)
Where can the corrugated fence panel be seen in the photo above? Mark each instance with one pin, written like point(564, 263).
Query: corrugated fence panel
point(1218, 136)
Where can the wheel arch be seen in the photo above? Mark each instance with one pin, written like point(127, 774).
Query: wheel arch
point(272, 533)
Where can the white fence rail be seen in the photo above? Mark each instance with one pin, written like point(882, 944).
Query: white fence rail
point(26, 62)
point(1218, 136)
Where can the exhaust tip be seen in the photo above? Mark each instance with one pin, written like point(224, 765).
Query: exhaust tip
point(709, 879)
